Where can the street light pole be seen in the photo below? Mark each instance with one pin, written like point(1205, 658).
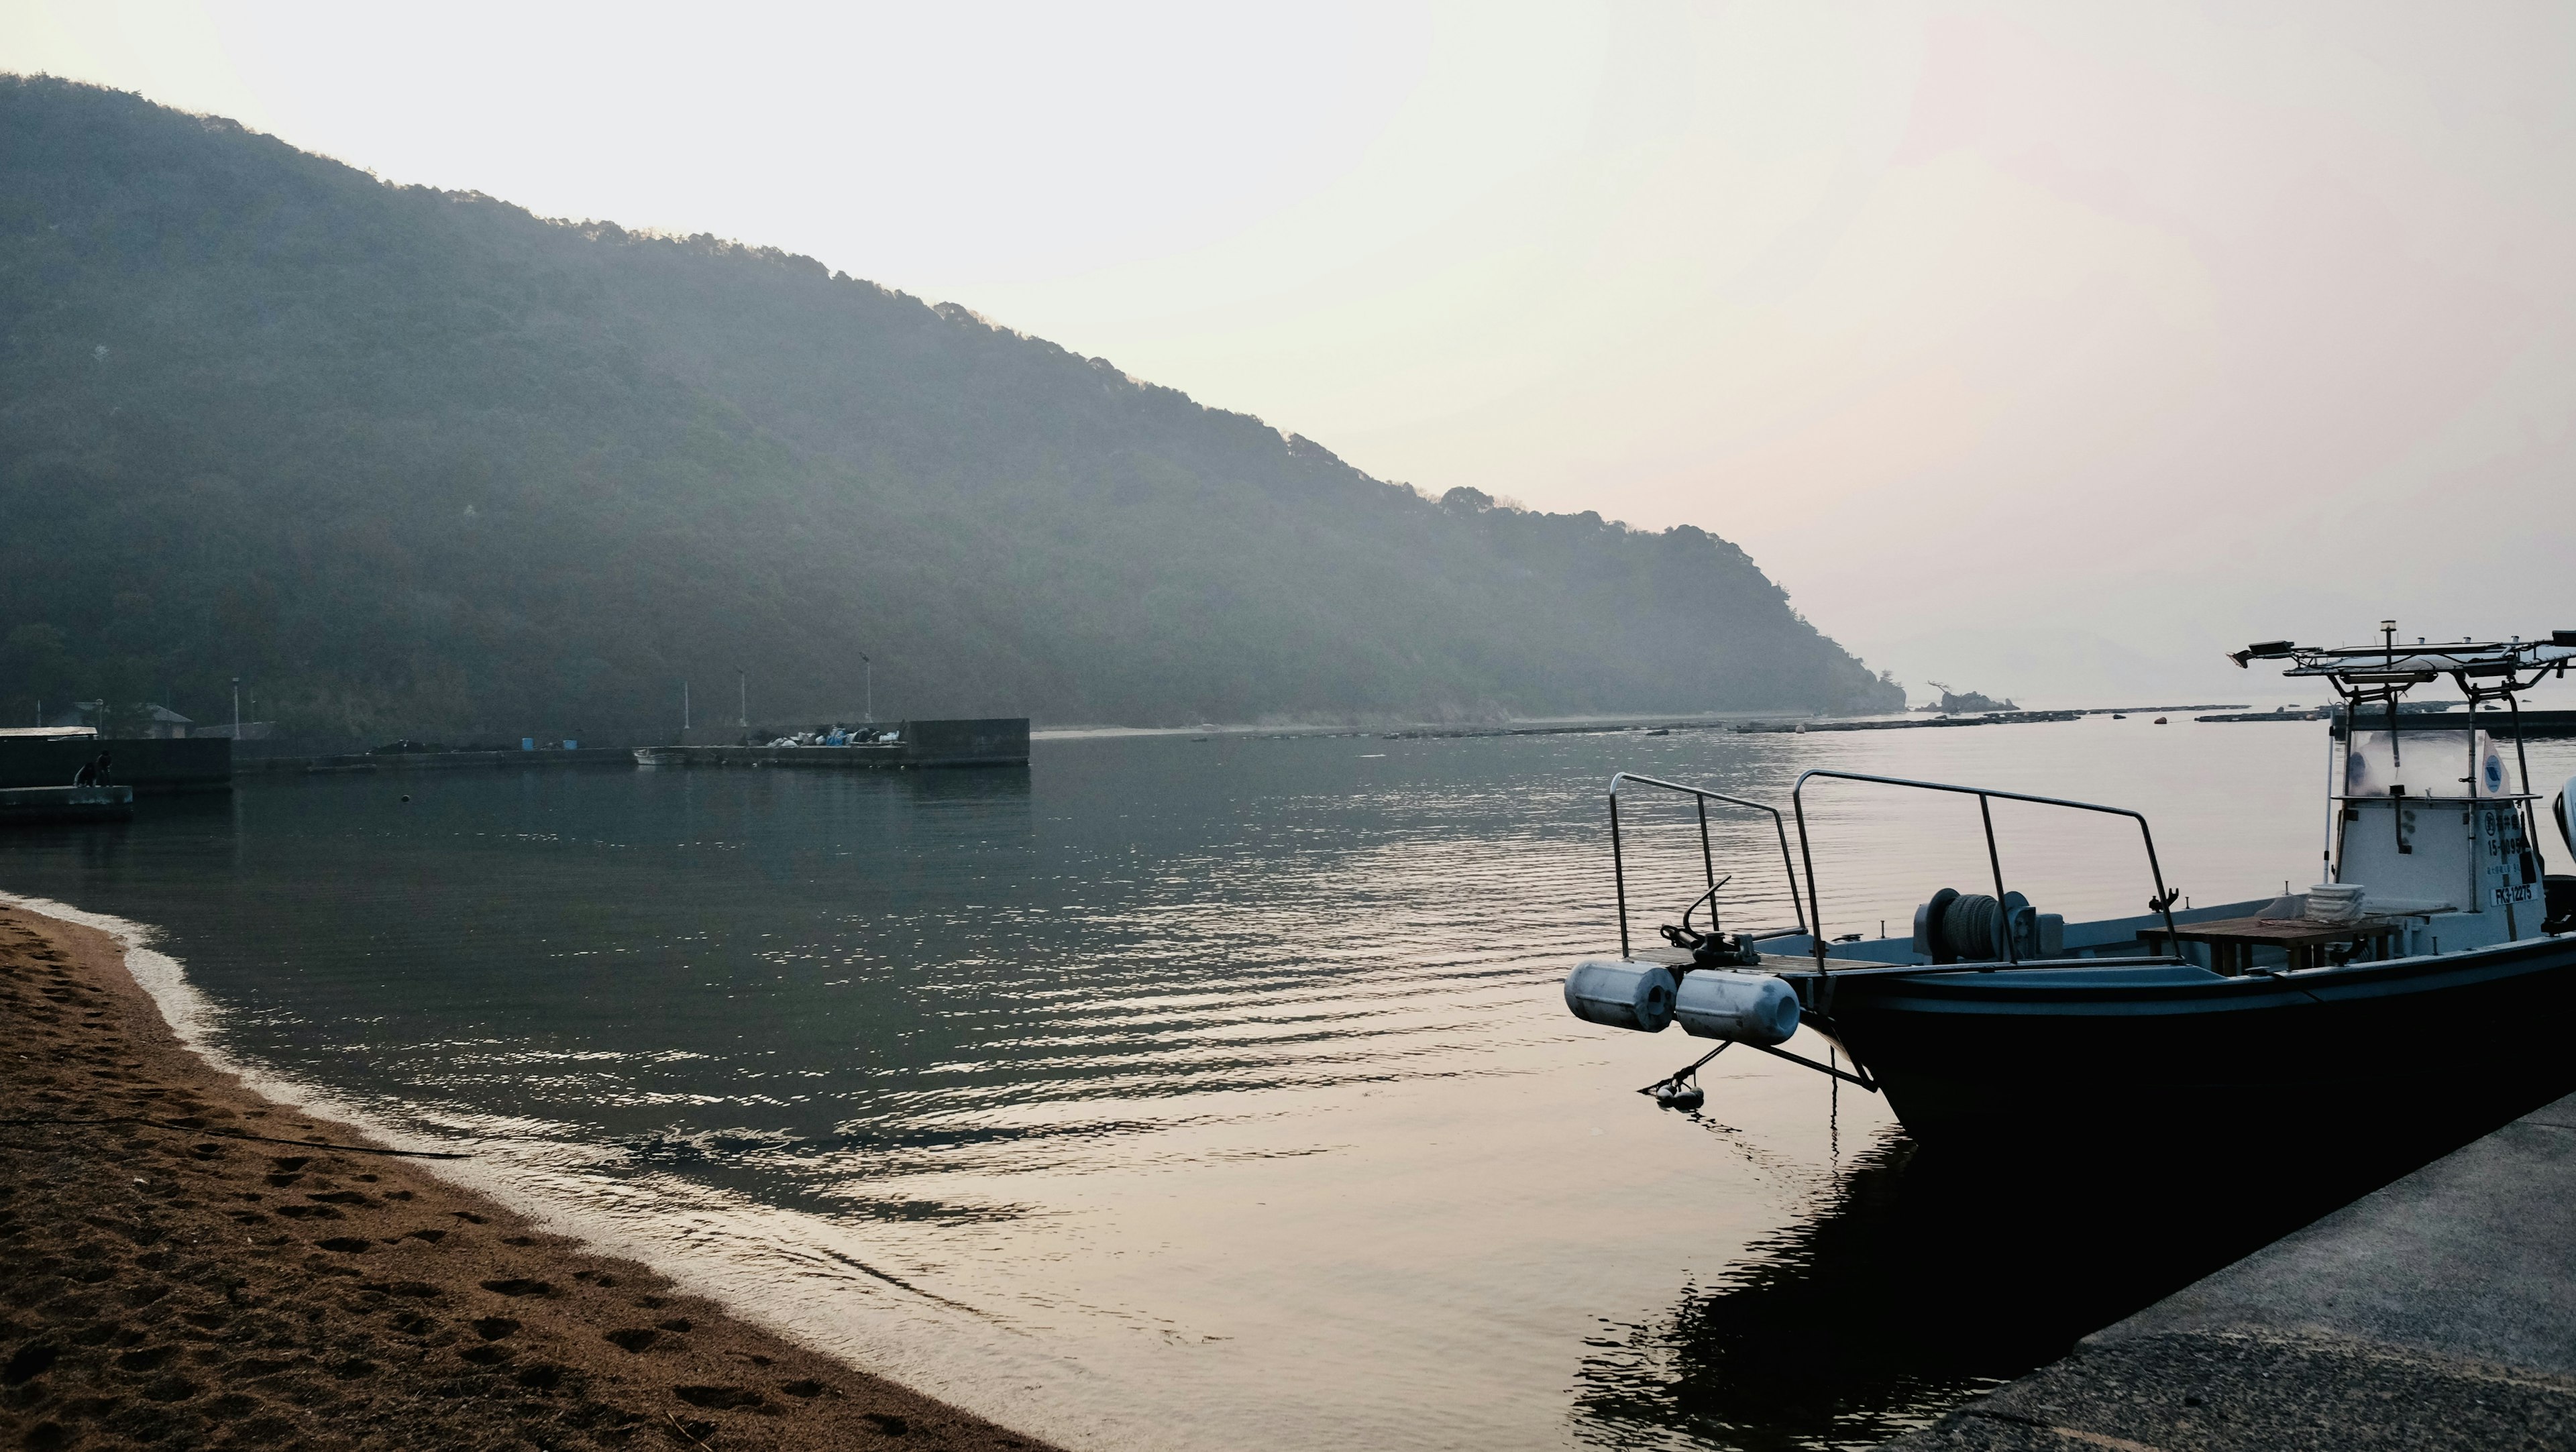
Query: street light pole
point(236, 711)
point(743, 681)
point(684, 713)
point(871, 672)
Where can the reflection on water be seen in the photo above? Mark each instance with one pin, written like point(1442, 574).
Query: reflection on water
point(1921, 1276)
point(1182, 1094)
point(1815, 1338)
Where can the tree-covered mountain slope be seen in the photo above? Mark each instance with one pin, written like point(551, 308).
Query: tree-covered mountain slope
point(412, 461)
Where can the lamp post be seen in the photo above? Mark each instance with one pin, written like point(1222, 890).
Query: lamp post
point(742, 682)
point(237, 712)
point(684, 713)
point(869, 668)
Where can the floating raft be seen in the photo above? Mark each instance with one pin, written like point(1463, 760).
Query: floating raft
point(66, 804)
point(2303, 714)
point(994, 741)
point(1997, 718)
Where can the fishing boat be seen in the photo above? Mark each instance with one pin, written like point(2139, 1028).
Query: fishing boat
point(2433, 971)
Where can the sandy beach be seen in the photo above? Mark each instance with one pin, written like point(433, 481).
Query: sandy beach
point(178, 1269)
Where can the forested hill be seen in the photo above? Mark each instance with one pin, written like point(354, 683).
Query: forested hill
point(418, 462)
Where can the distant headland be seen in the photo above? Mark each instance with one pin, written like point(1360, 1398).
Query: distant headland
point(419, 462)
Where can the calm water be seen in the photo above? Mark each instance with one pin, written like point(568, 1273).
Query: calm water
point(1212, 1094)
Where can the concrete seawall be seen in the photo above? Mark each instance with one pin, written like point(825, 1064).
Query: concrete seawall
point(433, 761)
point(2437, 1312)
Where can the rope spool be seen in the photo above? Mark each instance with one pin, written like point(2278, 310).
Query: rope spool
point(1975, 928)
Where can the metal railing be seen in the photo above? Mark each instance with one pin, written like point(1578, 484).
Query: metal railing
point(1707, 856)
point(2162, 902)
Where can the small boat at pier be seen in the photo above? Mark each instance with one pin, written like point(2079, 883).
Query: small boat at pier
point(2433, 973)
point(66, 804)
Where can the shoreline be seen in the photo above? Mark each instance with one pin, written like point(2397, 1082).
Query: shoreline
point(181, 1265)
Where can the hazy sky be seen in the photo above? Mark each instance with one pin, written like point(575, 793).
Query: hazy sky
point(2023, 344)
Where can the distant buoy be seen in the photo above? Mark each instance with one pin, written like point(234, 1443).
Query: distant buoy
point(406, 796)
point(2160, 720)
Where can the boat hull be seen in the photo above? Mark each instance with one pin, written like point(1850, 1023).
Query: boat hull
point(2179, 1049)
point(66, 804)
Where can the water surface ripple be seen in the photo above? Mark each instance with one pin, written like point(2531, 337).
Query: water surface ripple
point(1173, 1093)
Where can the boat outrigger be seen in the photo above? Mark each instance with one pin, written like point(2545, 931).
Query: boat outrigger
point(2434, 969)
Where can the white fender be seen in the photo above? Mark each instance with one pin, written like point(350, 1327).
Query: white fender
point(1622, 993)
point(1755, 1008)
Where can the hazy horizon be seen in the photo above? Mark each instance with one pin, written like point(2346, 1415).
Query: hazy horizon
point(2029, 350)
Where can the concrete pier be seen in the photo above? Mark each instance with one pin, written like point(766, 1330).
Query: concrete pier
point(433, 761)
point(993, 741)
point(2437, 1312)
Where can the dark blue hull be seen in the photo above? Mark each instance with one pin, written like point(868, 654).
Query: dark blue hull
point(1977, 1054)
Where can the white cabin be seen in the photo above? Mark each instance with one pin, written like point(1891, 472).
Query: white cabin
point(2432, 823)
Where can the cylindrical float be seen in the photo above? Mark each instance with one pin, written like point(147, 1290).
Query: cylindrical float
point(1621, 993)
point(1753, 1008)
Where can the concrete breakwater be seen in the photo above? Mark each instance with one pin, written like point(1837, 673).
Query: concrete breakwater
point(1777, 725)
point(1002, 741)
point(991, 741)
point(433, 761)
point(2436, 1312)
point(1986, 718)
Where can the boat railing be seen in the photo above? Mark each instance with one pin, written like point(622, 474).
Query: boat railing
point(2162, 903)
point(1707, 855)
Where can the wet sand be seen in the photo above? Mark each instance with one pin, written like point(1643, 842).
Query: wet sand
point(168, 1277)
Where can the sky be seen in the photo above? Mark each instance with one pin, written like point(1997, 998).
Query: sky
point(2045, 349)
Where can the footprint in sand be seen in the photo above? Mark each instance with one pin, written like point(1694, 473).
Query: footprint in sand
point(717, 1398)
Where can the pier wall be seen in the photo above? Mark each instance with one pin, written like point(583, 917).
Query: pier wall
point(2437, 1312)
point(994, 741)
point(434, 761)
